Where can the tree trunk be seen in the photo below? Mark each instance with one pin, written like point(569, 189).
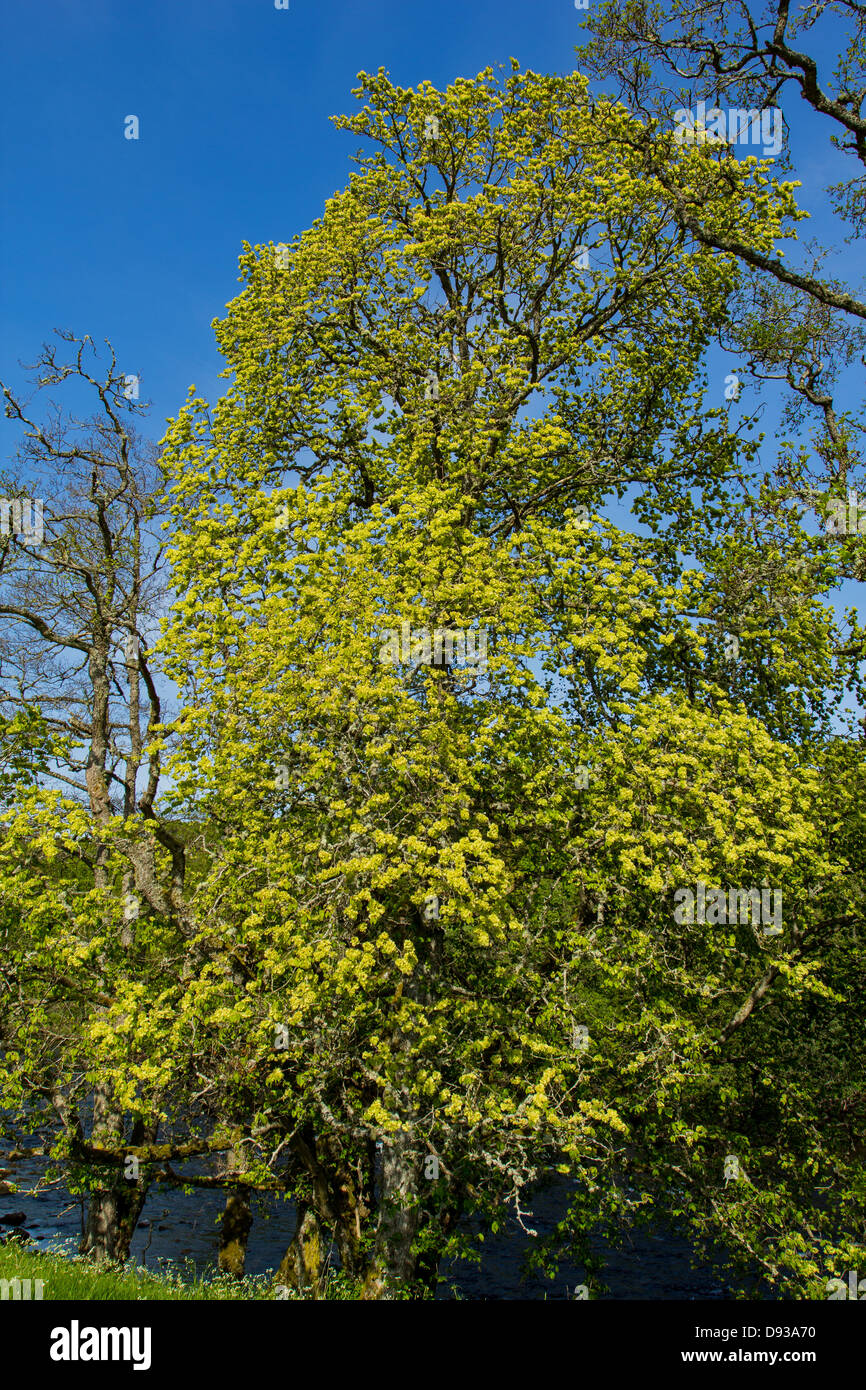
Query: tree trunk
point(116, 1205)
point(237, 1220)
point(301, 1268)
point(111, 1221)
point(339, 1196)
point(394, 1270)
point(404, 1208)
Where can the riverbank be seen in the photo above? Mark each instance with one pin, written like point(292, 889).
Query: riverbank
point(69, 1277)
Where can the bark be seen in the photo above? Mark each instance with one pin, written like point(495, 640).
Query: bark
point(111, 1221)
point(394, 1270)
point(116, 1205)
point(237, 1220)
point(302, 1266)
point(235, 1227)
point(339, 1197)
point(343, 1201)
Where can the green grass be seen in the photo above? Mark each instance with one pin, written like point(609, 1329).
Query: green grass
point(74, 1278)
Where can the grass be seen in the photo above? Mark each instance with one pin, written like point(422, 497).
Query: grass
point(70, 1277)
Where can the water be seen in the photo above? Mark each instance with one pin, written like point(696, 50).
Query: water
point(179, 1226)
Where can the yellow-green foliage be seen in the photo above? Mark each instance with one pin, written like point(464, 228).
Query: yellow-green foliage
point(339, 791)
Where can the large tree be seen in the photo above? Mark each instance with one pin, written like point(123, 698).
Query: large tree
point(444, 890)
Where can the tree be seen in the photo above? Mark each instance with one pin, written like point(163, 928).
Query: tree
point(80, 605)
point(449, 967)
point(789, 323)
point(743, 54)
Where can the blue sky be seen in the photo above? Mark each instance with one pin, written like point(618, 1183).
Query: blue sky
point(138, 241)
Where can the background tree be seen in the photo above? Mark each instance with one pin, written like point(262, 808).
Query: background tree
point(747, 55)
point(79, 611)
point(789, 321)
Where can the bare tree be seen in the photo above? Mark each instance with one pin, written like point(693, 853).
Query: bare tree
point(80, 601)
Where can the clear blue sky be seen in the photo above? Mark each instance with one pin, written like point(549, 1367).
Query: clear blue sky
point(138, 241)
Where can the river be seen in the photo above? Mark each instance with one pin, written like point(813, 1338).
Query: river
point(178, 1226)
